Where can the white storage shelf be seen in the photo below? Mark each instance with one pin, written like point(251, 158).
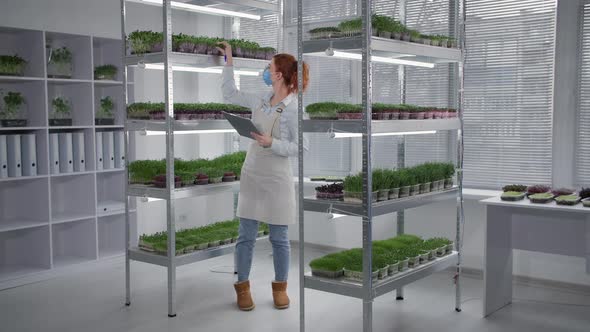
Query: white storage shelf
point(389, 48)
point(196, 60)
point(380, 126)
point(63, 207)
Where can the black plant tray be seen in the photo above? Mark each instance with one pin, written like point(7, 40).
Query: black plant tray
point(60, 122)
point(541, 200)
point(13, 123)
point(104, 122)
point(570, 203)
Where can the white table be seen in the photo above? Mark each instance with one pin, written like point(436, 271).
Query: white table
point(548, 228)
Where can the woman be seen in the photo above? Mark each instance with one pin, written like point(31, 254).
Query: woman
point(267, 191)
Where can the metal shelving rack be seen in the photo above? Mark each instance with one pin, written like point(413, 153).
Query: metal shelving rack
point(367, 46)
point(168, 59)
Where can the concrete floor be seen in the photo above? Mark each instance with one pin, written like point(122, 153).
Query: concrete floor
point(93, 301)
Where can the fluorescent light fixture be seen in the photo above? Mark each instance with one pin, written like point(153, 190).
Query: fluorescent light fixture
point(149, 199)
point(355, 56)
point(186, 132)
point(200, 9)
point(332, 216)
point(159, 66)
point(344, 135)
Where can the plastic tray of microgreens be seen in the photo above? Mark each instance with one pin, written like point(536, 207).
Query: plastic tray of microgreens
point(567, 200)
point(541, 198)
point(586, 202)
point(512, 196)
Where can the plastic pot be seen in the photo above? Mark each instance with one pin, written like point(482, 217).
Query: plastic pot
point(425, 187)
point(426, 41)
point(424, 257)
point(441, 251)
point(450, 247)
point(393, 269)
point(213, 244)
point(394, 193)
point(215, 180)
point(60, 122)
point(157, 47)
point(229, 178)
point(404, 115)
point(383, 272)
point(353, 197)
point(413, 261)
point(385, 34)
point(417, 115)
point(358, 275)
point(404, 191)
point(60, 69)
point(403, 265)
point(383, 195)
point(396, 35)
point(586, 202)
point(260, 233)
point(104, 121)
point(415, 190)
point(201, 246)
point(406, 37)
point(448, 183)
point(186, 47)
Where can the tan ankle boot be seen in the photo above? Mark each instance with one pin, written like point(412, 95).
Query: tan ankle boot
point(245, 302)
point(279, 294)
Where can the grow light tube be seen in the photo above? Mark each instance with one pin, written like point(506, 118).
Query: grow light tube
point(187, 132)
point(355, 56)
point(197, 69)
point(345, 135)
point(199, 9)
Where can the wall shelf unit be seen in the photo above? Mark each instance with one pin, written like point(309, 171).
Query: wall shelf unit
point(368, 49)
point(65, 219)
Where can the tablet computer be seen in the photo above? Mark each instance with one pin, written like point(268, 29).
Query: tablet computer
point(242, 125)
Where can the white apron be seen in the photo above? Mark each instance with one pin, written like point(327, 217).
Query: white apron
point(267, 191)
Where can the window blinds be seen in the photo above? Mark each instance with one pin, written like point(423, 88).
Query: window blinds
point(509, 92)
point(583, 130)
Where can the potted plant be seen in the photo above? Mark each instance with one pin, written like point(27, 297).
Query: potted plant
point(183, 43)
point(201, 179)
point(415, 36)
point(12, 65)
point(59, 64)
point(229, 177)
point(405, 182)
point(394, 184)
point(106, 72)
point(13, 113)
point(323, 111)
point(61, 112)
point(567, 200)
point(512, 196)
point(538, 189)
point(585, 196)
point(328, 266)
point(417, 113)
point(381, 184)
point(449, 172)
point(353, 189)
point(404, 112)
point(215, 175)
point(351, 28)
point(541, 198)
point(331, 192)
point(425, 39)
point(105, 117)
point(160, 181)
point(324, 32)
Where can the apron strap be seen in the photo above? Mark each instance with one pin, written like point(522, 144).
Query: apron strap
point(279, 110)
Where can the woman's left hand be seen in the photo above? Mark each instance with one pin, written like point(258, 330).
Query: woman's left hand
point(264, 141)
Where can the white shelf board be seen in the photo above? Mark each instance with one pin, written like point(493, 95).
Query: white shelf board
point(21, 128)
point(380, 208)
point(114, 213)
point(15, 224)
point(110, 127)
point(66, 81)
point(381, 126)
point(70, 217)
point(8, 272)
point(23, 178)
point(139, 190)
point(110, 170)
point(355, 289)
point(390, 48)
point(71, 174)
point(65, 261)
point(69, 127)
point(525, 203)
point(19, 79)
point(196, 60)
point(107, 83)
point(192, 125)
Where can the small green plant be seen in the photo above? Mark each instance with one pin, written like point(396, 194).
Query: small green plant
point(353, 183)
point(514, 187)
point(12, 65)
point(105, 72)
point(12, 104)
point(106, 107)
point(61, 107)
point(61, 55)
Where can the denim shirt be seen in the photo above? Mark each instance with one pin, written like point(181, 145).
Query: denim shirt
point(287, 145)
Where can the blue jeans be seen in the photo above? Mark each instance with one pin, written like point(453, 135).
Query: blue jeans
point(281, 249)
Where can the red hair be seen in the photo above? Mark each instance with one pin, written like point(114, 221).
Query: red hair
point(286, 64)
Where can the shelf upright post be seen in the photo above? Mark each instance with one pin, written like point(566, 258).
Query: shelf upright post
point(169, 95)
point(301, 213)
point(401, 147)
point(460, 10)
point(367, 74)
point(126, 148)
